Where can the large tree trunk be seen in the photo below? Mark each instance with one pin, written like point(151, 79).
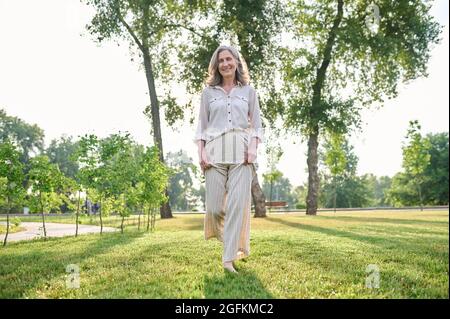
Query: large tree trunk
point(313, 175)
point(259, 199)
point(142, 42)
point(316, 116)
point(165, 210)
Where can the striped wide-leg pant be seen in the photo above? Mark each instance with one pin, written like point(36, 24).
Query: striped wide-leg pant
point(228, 203)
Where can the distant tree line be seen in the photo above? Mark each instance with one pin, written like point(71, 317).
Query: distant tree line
point(74, 157)
point(92, 165)
point(116, 172)
point(422, 181)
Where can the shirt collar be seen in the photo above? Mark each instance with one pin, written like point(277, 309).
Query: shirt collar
point(219, 87)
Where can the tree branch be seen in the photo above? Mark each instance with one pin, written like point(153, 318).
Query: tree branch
point(321, 72)
point(171, 25)
point(127, 26)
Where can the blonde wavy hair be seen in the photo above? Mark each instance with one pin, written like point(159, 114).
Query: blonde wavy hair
point(215, 78)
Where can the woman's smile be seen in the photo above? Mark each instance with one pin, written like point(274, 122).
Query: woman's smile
point(227, 63)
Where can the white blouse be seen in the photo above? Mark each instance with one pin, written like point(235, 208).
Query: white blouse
point(221, 112)
point(227, 122)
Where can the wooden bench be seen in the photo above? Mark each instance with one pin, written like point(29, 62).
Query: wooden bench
point(277, 204)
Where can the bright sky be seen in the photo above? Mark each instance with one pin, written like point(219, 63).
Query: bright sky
point(53, 76)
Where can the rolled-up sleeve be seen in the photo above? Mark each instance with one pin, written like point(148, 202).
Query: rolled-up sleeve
point(254, 114)
point(203, 118)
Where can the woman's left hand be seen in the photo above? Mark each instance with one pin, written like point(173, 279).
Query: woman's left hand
point(250, 154)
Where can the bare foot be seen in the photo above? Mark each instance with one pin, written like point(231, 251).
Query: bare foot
point(229, 267)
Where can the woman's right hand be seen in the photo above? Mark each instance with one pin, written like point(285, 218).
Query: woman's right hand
point(204, 162)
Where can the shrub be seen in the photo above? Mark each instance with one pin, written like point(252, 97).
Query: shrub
point(16, 221)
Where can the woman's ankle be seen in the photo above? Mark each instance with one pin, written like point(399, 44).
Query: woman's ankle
point(228, 265)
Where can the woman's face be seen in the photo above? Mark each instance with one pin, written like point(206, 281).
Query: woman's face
point(227, 64)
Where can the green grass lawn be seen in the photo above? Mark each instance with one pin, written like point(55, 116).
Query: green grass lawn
point(292, 256)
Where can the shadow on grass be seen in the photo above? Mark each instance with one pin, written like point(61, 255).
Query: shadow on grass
point(411, 267)
point(384, 220)
point(22, 272)
point(176, 268)
point(385, 242)
point(193, 223)
point(245, 284)
point(395, 230)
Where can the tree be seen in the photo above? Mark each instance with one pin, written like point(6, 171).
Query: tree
point(351, 191)
point(335, 159)
point(152, 27)
point(181, 193)
point(251, 26)
point(107, 168)
point(118, 173)
point(274, 153)
point(201, 194)
point(29, 139)
point(345, 189)
point(378, 187)
point(435, 186)
point(11, 176)
point(416, 157)
point(299, 194)
point(346, 57)
point(88, 159)
point(270, 178)
point(61, 151)
point(44, 178)
point(280, 188)
point(76, 187)
point(402, 191)
point(154, 177)
point(427, 173)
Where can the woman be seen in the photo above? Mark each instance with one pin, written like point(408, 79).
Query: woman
point(228, 133)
